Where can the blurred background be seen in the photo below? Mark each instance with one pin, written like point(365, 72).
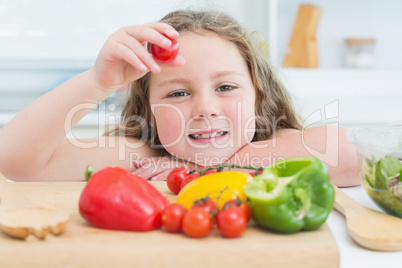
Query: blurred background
point(358, 79)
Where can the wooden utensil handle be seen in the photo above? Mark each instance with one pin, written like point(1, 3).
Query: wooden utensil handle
point(343, 202)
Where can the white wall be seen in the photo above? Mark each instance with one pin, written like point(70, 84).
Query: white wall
point(49, 29)
point(350, 98)
point(59, 29)
point(43, 42)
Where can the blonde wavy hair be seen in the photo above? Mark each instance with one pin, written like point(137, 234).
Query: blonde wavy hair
point(273, 105)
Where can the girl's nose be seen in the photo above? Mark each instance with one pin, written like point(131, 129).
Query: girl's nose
point(206, 107)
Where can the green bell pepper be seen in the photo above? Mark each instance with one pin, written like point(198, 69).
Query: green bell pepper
point(291, 195)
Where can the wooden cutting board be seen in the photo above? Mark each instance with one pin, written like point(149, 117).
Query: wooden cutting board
point(81, 245)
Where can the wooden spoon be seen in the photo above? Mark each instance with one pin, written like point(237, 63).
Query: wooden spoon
point(20, 217)
point(369, 228)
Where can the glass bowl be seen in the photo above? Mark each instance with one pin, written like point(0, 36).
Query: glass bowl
point(379, 151)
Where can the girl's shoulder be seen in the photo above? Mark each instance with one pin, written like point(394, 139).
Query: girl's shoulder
point(280, 133)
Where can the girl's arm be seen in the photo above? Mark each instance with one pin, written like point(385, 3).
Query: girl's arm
point(33, 145)
point(328, 143)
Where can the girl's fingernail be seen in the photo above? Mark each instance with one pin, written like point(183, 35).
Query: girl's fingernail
point(180, 60)
point(143, 68)
point(155, 68)
point(136, 164)
point(167, 43)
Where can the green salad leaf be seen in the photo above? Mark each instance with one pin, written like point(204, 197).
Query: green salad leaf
point(391, 167)
point(383, 182)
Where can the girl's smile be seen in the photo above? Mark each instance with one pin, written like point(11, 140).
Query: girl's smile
point(204, 110)
point(208, 136)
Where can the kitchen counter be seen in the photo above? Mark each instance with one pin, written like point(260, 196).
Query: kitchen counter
point(351, 254)
point(83, 241)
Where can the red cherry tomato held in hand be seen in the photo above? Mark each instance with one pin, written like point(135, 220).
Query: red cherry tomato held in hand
point(197, 223)
point(175, 178)
point(189, 179)
point(240, 204)
point(165, 54)
point(172, 217)
point(231, 222)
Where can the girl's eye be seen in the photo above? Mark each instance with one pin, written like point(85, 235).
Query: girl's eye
point(178, 94)
point(225, 88)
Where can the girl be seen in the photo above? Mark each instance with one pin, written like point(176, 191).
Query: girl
point(217, 101)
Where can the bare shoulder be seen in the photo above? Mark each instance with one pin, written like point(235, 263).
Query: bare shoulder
point(315, 131)
point(280, 133)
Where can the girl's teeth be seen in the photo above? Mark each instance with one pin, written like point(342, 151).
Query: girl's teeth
point(206, 136)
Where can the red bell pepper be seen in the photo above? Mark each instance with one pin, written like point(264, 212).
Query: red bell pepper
point(116, 199)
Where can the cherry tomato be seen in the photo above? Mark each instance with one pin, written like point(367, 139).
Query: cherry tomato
point(208, 204)
point(175, 178)
point(240, 204)
point(165, 54)
point(189, 179)
point(231, 222)
point(197, 222)
point(172, 217)
point(253, 173)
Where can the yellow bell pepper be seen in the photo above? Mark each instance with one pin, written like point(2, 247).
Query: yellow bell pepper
point(220, 186)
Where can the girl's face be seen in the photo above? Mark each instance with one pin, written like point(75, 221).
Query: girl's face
point(204, 110)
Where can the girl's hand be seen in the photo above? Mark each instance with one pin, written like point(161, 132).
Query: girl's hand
point(125, 58)
point(158, 168)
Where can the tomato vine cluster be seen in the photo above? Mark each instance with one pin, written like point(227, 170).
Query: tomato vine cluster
point(198, 220)
point(231, 220)
point(180, 177)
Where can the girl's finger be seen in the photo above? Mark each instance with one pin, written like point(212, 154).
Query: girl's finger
point(178, 61)
point(155, 168)
point(165, 29)
point(147, 162)
point(141, 162)
point(162, 176)
point(148, 172)
point(143, 55)
point(134, 37)
point(144, 33)
point(136, 46)
point(127, 54)
point(140, 171)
